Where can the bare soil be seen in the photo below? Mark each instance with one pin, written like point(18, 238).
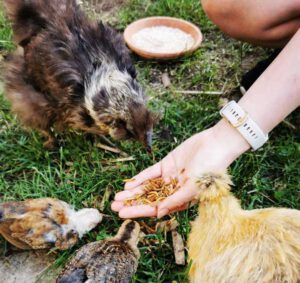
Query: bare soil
point(104, 5)
point(104, 10)
point(26, 267)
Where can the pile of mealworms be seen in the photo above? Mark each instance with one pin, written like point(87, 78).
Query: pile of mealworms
point(154, 191)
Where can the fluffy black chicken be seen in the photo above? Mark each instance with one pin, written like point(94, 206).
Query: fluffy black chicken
point(73, 73)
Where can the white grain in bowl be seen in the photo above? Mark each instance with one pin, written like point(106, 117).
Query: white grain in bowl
point(162, 39)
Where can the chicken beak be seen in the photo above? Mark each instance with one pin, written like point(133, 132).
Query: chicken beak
point(148, 141)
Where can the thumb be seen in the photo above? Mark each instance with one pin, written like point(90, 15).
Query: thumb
point(179, 199)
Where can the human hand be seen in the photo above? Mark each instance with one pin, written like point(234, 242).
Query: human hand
point(210, 150)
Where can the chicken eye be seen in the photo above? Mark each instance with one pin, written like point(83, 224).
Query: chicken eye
point(119, 123)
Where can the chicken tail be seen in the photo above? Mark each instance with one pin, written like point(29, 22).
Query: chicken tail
point(7, 215)
point(29, 17)
point(11, 210)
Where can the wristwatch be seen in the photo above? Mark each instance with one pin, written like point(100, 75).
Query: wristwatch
point(240, 120)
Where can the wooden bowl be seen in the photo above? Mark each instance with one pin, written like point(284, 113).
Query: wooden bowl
point(183, 25)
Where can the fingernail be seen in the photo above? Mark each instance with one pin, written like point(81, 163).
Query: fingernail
point(124, 214)
point(123, 195)
point(116, 206)
point(130, 185)
point(121, 215)
point(162, 212)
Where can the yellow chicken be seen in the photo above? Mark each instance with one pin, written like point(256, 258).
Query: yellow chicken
point(230, 245)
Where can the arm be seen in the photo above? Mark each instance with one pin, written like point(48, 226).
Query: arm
point(275, 94)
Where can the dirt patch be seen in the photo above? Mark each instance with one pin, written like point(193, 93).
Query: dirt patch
point(105, 10)
point(104, 5)
point(26, 267)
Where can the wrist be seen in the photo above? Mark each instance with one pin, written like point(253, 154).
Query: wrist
point(244, 124)
point(232, 142)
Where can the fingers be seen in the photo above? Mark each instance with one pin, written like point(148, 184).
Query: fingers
point(181, 208)
point(138, 211)
point(178, 200)
point(133, 211)
point(150, 173)
point(123, 195)
point(117, 206)
point(142, 211)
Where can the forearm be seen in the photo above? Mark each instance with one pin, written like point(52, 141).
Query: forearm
point(277, 92)
point(268, 102)
point(273, 97)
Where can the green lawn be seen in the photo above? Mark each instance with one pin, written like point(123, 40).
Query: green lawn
point(80, 174)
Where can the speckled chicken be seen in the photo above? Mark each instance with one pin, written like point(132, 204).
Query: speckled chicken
point(109, 261)
point(45, 223)
point(230, 245)
point(72, 73)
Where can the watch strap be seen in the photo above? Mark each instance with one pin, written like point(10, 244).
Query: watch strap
point(247, 127)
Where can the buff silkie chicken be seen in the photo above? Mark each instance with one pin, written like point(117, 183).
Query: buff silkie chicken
point(110, 261)
point(73, 74)
point(230, 245)
point(45, 223)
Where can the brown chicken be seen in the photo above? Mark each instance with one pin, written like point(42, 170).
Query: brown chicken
point(230, 245)
point(45, 223)
point(110, 261)
point(73, 73)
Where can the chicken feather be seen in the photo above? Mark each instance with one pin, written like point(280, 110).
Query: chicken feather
point(73, 74)
point(109, 261)
point(45, 223)
point(228, 244)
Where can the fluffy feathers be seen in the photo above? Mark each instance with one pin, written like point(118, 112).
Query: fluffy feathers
point(110, 261)
point(228, 244)
point(74, 73)
point(45, 223)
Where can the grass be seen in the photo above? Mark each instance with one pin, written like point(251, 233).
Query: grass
point(80, 174)
point(5, 33)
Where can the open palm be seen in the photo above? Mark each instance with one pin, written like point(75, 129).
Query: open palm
point(201, 153)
